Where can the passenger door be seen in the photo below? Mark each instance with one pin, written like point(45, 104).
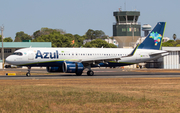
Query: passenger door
point(30, 55)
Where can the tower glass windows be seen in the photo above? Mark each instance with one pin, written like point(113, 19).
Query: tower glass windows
point(123, 29)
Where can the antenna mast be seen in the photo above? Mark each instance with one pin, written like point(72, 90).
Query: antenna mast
point(125, 5)
point(2, 50)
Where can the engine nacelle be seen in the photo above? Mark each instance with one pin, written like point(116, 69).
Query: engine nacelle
point(54, 69)
point(72, 67)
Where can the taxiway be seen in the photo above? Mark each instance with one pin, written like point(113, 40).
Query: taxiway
point(99, 73)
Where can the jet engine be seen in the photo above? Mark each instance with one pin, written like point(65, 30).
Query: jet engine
point(54, 69)
point(72, 67)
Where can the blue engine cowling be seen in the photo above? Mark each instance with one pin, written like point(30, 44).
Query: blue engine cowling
point(54, 69)
point(72, 67)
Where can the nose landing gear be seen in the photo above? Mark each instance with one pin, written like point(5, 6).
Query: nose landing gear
point(28, 73)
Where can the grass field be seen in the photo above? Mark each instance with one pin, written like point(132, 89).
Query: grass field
point(91, 95)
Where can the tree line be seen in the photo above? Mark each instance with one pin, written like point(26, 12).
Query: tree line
point(60, 38)
point(171, 43)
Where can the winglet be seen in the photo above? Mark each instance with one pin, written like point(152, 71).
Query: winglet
point(132, 53)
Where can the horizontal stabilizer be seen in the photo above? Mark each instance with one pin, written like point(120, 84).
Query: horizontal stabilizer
point(164, 53)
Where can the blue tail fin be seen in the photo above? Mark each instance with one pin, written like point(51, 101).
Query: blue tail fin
point(154, 39)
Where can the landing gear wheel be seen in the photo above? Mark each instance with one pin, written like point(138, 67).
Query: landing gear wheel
point(78, 74)
point(90, 73)
point(28, 74)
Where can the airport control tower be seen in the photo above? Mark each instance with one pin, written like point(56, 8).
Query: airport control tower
point(126, 30)
point(146, 28)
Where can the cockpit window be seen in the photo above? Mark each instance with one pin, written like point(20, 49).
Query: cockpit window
point(18, 53)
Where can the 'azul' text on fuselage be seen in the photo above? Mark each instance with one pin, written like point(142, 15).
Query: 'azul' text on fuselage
point(47, 55)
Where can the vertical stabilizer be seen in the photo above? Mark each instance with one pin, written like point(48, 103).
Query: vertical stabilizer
point(155, 37)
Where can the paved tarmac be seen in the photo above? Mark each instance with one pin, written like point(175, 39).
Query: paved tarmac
point(99, 73)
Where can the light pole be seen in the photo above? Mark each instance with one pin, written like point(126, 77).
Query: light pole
point(2, 50)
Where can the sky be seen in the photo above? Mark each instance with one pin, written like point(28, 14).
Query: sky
point(77, 16)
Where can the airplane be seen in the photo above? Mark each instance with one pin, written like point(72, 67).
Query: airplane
point(75, 60)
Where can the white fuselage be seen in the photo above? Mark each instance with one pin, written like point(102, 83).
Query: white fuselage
point(41, 55)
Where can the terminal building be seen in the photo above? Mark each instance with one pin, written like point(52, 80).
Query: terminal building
point(171, 61)
point(10, 47)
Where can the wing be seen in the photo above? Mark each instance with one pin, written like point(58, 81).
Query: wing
point(100, 60)
point(97, 60)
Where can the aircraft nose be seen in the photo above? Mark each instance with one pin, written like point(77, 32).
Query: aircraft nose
point(9, 59)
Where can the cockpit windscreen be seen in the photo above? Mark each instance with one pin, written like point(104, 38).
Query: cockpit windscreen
point(17, 53)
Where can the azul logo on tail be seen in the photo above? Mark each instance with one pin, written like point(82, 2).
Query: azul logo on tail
point(47, 55)
point(156, 36)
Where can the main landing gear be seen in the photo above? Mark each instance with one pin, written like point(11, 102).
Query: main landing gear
point(28, 73)
point(90, 73)
point(79, 74)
